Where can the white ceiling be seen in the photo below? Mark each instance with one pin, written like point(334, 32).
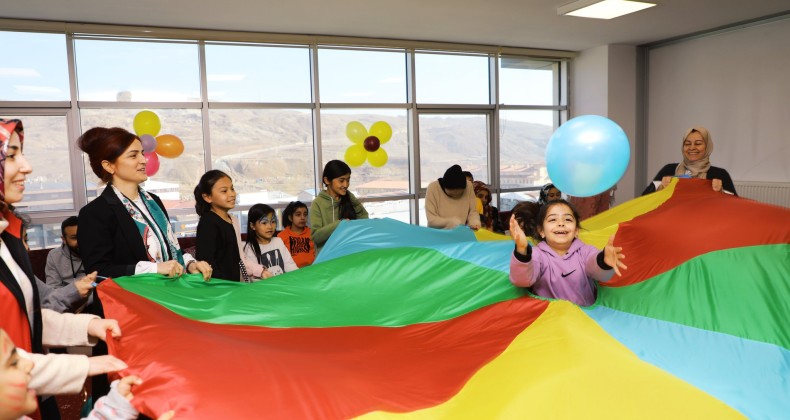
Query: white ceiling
point(513, 23)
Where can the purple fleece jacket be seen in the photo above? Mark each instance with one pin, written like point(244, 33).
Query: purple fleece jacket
point(569, 277)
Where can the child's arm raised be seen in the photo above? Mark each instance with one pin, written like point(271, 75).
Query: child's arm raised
point(522, 268)
point(518, 235)
point(613, 257)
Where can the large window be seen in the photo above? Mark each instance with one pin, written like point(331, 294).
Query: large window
point(366, 180)
point(137, 71)
point(267, 152)
point(247, 73)
point(449, 139)
point(271, 115)
point(34, 67)
point(176, 178)
point(523, 136)
point(362, 76)
point(523, 81)
point(46, 147)
point(452, 79)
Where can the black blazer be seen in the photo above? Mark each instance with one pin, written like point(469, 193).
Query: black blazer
point(713, 173)
point(109, 240)
point(17, 250)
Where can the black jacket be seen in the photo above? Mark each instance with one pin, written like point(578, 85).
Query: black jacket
point(109, 240)
point(218, 245)
point(713, 173)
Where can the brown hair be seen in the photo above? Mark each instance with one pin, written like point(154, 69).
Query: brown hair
point(526, 213)
point(102, 144)
point(544, 210)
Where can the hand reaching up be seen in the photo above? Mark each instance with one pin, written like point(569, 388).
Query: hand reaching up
point(518, 235)
point(613, 257)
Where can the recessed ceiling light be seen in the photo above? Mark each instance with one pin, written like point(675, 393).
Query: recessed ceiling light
point(606, 9)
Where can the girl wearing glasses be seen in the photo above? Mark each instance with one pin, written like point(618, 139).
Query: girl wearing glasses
point(263, 245)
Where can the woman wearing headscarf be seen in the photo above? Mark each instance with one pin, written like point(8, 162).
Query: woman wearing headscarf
point(489, 216)
point(450, 201)
point(549, 193)
point(697, 147)
point(21, 316)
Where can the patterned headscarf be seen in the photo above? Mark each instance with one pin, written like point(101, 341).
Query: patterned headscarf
point(698, 168)
point(544, 193)
point(6, 128)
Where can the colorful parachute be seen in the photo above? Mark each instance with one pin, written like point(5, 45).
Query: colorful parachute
point(399, 320)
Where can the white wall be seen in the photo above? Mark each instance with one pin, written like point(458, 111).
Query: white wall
point(603, 82)
point(737, 84)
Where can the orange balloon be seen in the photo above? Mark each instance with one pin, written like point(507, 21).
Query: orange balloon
point(169, 146)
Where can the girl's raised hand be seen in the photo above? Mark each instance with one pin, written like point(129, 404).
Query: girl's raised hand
point(613, 257)
point(518, 236)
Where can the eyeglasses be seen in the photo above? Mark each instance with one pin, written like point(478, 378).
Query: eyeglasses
point(266, 220)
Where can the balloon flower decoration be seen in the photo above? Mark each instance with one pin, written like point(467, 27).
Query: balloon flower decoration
point(587, 155)
point(367, 145)
point(147, 126)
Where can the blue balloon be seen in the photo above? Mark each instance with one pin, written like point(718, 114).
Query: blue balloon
point(587, 155)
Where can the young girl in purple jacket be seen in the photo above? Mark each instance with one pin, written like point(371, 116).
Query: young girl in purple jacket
point(561, 266)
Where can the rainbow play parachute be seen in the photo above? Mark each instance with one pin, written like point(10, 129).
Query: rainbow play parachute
point(398, 320)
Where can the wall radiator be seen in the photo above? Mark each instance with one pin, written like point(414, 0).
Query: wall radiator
point(776, 193)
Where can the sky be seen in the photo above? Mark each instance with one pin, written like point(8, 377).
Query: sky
point(148, 71)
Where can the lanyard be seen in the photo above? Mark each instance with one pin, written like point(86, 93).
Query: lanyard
point(159, 235)
point(79, 267)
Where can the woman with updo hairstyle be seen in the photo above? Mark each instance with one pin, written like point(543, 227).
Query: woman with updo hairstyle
point(126, 230)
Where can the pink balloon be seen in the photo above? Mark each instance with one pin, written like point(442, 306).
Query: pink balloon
point(152, 166)
point(149, 143)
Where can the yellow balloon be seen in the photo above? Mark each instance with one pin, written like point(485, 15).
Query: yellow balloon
point(356, 132)
point(355, 155)
point(378, 158)
point(169, 146)
point(382, 130)
point(147, 122)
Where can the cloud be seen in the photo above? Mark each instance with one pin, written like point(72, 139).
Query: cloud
point(140, 95)
point(18, 72)
point(226, 77)
point(37, 90)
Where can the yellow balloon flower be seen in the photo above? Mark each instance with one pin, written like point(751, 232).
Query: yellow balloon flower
point(367, 145)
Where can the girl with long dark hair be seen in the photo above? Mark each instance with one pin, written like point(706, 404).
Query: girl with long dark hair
point(334, 203)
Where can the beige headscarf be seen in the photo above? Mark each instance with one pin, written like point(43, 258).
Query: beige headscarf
point(698, 168)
